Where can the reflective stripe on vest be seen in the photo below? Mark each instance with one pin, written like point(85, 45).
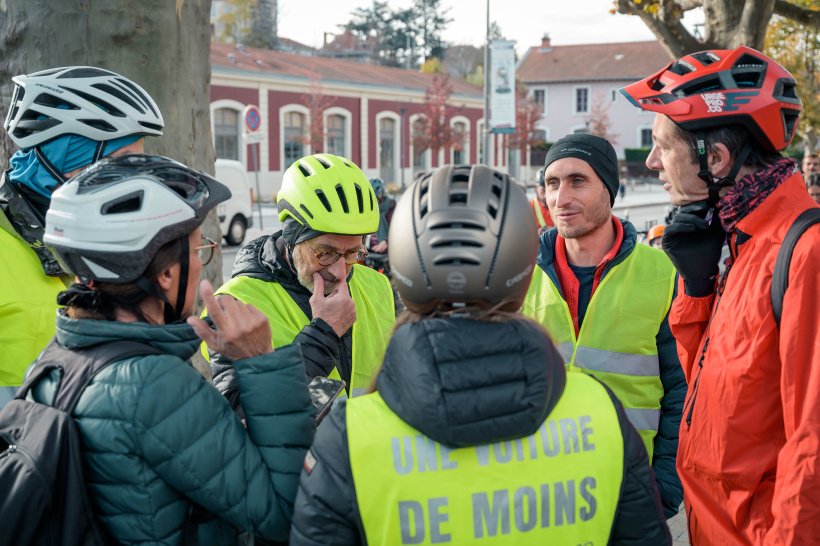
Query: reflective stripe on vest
point(375, 317)
point(542, 222)
point(559, 486)
point(617, 341)
point(28, 310)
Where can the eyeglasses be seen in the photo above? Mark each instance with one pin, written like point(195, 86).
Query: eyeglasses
point(330, 258)
point(206, 250)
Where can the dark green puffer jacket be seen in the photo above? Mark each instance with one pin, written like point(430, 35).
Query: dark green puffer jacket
point(157, 437)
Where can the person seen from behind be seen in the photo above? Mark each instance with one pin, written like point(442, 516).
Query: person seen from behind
point(605, 300)
point(306, 281)
point(748, 453)
point(475, 430)
point(63, 119)
point(158, 439)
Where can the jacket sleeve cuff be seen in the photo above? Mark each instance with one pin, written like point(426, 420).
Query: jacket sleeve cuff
point(699, 288)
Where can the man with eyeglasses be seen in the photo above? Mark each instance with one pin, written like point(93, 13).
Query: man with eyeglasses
point(305, 277)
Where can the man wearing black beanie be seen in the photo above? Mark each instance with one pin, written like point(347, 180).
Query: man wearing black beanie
point(605, 300)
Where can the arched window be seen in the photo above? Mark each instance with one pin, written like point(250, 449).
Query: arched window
point(226, 133)
point(420, 157)
point(336, 135)
point(387, 140)
point(294, 137)
point(460, 130)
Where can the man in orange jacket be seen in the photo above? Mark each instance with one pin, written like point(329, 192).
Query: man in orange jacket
point(749, 449)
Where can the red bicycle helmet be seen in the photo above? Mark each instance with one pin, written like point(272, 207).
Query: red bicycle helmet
point(722, 87)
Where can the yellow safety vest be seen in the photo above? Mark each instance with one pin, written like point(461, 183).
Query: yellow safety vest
point(28, 308)
point(375, 317)
point(559, 486)
point(616, 342)
point(542, 222)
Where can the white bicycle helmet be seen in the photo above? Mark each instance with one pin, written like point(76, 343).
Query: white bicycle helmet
point(79, 100)
point(108, 222)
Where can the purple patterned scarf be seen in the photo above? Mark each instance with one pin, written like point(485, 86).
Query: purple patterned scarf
point(751, 190)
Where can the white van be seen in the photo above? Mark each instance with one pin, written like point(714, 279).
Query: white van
point(235, 214)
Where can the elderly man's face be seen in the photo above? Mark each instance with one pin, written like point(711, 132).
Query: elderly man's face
point(306, 263)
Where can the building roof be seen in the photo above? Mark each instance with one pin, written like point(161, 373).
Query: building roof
point(588, 62)
point(343, 44)
point(227, 57)
point(292, 46)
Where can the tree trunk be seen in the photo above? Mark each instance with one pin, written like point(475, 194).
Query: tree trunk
point(162, 45)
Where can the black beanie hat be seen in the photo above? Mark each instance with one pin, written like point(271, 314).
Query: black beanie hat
point(596, 151)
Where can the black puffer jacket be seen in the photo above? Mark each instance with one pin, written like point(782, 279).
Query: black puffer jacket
point(465, 383)
point(264, 259)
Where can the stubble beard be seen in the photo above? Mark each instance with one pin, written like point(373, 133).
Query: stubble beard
point(596, 216)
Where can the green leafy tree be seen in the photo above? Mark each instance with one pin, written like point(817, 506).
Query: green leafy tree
point(249, 22)
point(432, 66)
point(796, 46)
point(429, 24)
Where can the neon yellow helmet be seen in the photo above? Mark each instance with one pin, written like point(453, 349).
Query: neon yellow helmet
point(328, 194)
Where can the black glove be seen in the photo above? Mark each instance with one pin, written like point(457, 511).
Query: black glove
point(694, 246)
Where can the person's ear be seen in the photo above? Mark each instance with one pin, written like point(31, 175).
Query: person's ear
point(167, 277)
point(720, 160)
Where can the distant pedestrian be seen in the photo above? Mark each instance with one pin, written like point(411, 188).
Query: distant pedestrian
point(748, 455)
point(622, 190)
point(539, 204)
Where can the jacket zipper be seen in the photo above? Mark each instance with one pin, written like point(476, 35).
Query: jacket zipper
point(691, 402)
point(13, 448)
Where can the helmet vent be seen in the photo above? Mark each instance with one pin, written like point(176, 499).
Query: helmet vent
point(86, 72)
point(784, 90)
point(459, 187)
point(371, 199)
point(705, 57)
point(343, 198)
point(746, 61)
point(120, 95)
point(153, 126)
point(127, 203)
point(459, 225)
point(304, 208)
point(46, 99)
point(97, 101)
point(324, 162)
point(681, 67)
point(99, 124)
point(323, 198)
point(474, 244)
point(790, 118)
point(145, 100)
point(360, 198)
point(424, 199)
point(305, 171)
point(701, 86)
point(456, 261)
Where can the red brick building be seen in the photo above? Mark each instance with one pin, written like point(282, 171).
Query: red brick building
point(373, 112)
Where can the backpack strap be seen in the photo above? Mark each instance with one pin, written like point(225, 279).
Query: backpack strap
point(79, 366)
point(780, 275)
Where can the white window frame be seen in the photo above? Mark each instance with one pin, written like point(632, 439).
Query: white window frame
point(426, 156)
point(640, 129)
point(575, 89)
point(345, 113)
point(546, 98)
point(397, 166)
point(287, 109)
point(467, 143)
point(230, 104)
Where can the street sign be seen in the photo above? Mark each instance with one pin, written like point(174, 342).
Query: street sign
point(252, 119)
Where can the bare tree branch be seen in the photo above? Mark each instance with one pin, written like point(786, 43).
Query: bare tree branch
point(804, 16)
point(753, 22)
point(675, 38)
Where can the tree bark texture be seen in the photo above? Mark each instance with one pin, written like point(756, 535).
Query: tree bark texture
point(163, 45)
point(729, 23)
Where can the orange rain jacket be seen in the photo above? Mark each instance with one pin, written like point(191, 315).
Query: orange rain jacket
point(749, 452)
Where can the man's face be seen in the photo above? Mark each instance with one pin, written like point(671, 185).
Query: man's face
point(133, 148)
point(541, 194)
point(578, 201)
point(670, 156)
point(306, 263)
point(811, 164)
point(814, 192)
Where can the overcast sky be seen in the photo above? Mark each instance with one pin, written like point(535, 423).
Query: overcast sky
point(566, 21)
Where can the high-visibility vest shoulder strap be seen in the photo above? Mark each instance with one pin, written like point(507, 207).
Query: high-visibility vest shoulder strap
point(559, 486)
point(539, 214)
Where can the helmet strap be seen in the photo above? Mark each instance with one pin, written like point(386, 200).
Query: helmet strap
point(52, 170)
point(99, 151)
point(171, 314)
point(714, 186)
